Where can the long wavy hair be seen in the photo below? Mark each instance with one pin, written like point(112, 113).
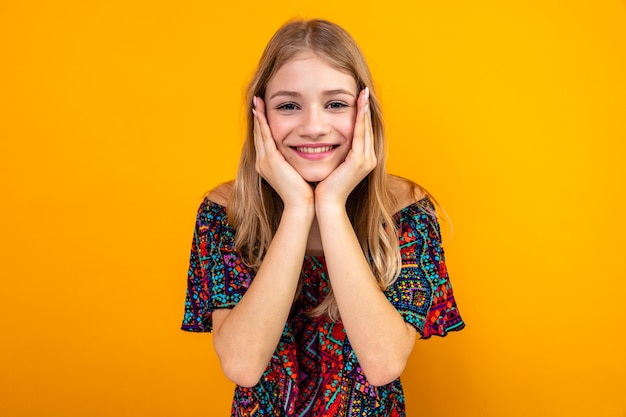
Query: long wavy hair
point(255, 209)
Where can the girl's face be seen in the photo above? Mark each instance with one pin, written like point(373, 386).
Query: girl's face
point(311, 109)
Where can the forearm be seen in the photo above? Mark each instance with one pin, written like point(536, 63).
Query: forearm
point(381, 339)
point(246, 336)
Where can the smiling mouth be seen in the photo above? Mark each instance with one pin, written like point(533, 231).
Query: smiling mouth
point(319, 149)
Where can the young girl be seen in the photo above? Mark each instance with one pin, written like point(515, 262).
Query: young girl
point(315, 268)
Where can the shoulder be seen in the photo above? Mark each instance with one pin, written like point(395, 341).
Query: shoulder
point(221, 194)
point(212, 210)
point(405, 192)
point(415, 212)
point(212, 219)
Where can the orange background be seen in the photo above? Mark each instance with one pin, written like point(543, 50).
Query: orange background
point(117, 116)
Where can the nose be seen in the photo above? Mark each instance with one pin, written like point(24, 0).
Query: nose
point(313, 124)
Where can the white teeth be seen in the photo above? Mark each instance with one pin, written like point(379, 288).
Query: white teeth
point(314, 150)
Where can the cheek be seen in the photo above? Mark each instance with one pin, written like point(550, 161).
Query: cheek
point(346, 126)
point(278, 128)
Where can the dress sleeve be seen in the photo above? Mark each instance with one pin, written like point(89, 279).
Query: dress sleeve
point(422, 293)
point(217, 276)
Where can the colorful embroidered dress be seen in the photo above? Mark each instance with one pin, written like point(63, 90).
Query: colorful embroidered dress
point(314, 371)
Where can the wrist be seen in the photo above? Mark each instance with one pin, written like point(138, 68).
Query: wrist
point(329, 208)
point(301, 211)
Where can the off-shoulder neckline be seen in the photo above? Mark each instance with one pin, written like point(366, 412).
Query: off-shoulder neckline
point(415, 204)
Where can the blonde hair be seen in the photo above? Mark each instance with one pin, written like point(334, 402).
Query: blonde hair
point(255, 208)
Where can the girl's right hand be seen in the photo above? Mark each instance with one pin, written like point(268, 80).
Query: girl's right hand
point(272, 166)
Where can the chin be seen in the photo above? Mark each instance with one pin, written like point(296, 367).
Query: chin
point(314, 177)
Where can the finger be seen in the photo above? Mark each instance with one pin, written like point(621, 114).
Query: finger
point(359, 124)
point(368, 138)
point(258, 138)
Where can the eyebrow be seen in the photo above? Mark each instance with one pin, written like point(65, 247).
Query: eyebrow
point(325, 93)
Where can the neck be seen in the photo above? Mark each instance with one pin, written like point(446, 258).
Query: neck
point(314, 242)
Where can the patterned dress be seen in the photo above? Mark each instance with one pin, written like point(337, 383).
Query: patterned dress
point(314, 371)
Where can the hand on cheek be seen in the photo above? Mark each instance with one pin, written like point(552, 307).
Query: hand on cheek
point(360, 161)
point(272, 166)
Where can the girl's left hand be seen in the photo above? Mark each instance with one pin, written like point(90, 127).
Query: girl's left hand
point(360, 161)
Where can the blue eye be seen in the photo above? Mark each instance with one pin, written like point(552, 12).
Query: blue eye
point(336, 105)
point(287, 106)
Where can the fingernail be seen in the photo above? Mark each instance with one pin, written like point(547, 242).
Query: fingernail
point(367, 106)
point(254, 101)
point(254, 112)
point(367, 93)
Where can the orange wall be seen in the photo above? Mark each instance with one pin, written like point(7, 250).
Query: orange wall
point(117, 116)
